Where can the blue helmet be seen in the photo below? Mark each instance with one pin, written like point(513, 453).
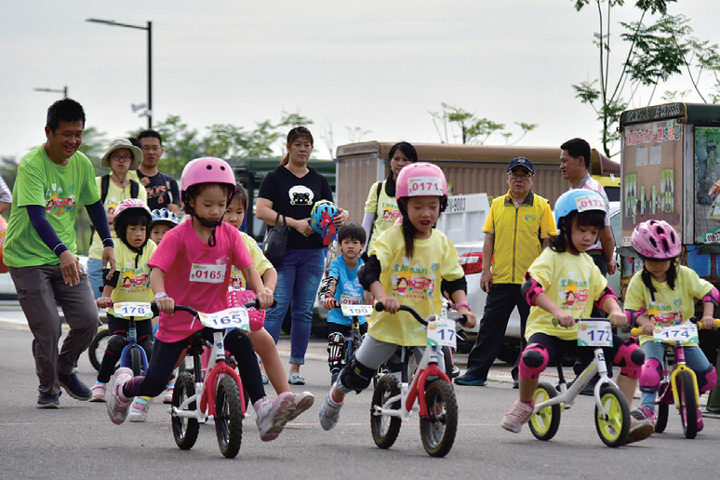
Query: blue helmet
point(316, 215)
point(165, 216)
point(577, 200)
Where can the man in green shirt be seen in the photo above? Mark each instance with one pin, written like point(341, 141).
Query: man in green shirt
point(40, 248)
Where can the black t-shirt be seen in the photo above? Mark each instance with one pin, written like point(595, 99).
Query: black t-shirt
point(161, 190)
point(294, 197)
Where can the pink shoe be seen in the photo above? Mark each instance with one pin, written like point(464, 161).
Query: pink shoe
point(117, 403)
point(167, 398)
point(98, 392)
point(517, 416)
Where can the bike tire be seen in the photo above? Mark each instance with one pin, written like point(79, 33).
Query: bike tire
point(136, 361)
point(385, 429)
point(613, 430)
point(228, 417)
point(185, 430)
point(688, 404)
point(98, 346)
point(448, 360)
point(545, 423)
point(663, 411)
point(438, 430)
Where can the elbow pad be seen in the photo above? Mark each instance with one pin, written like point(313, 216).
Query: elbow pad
point(712, 296)
point(325, 285)
point(369, 272)
point(451, 286)
point(607, 293)
point(531, 289)
point(113, 280)
point(632, 316)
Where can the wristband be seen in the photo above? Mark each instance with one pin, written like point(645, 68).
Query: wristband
point(160, 295)
point(465, 304)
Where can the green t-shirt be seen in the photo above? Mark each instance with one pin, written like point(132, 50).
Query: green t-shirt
point(59, 189)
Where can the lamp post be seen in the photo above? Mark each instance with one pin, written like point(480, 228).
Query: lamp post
point(148, 28)
point(53, 90)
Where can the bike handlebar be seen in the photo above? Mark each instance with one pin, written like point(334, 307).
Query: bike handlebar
point(380, 308)
point(637, 331)
point(193, 312)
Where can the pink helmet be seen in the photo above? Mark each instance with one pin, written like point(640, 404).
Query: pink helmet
point(656, 240)
point(129, 205)
point(421, 179)
point(207, 170)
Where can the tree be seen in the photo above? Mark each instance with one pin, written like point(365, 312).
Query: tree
point(655, 53)
point(472, 130)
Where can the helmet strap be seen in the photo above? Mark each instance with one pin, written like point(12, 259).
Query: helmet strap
point(212, 241)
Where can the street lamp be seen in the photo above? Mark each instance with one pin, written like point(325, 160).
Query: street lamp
point(148, 28)
point(53, 90)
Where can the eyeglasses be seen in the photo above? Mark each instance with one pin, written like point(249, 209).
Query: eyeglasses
point(121, 158)
point(523, 176)
point(151, 148)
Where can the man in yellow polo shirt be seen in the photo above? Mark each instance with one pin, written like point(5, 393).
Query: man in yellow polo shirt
point(516, 230)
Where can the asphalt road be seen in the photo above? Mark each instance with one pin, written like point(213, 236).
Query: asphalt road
point(78, 440)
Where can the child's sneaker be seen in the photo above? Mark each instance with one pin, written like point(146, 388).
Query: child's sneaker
point(700, 424)
point(516, 417)
point(329, 412)
point(98, 392)
point(139, 409)
point(302, 401)
point(639, 429)
point(167, 398)
point(272, 417)
point(642, 413)
point(117, 403)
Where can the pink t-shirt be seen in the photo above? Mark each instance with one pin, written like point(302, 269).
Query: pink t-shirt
point(196, 274)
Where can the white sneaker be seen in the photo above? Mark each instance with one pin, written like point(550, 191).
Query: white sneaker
point(117, 404)
point(302, 401)
point(139, 409)
point(98, 392)
point(329, 412)
point(272, 417)
point(167, 397)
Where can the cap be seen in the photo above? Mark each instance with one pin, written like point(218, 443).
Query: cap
point(119, 143)
point(521, 162)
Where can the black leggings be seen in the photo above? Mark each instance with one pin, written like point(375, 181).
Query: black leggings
point(119, 327)
point(166, 355)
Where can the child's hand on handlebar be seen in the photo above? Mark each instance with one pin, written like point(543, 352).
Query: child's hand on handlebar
point(648, 328)
point(566, 319)
point(264, 299)
point(391, 304)
point(708, 322)
point(329, 301)
point(166, 305)
point(619, 319)
point(471, 319)
point(104, 302)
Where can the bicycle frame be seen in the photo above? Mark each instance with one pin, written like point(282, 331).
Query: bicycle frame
point(133, 343)
point(409, 393)
point(679, 367)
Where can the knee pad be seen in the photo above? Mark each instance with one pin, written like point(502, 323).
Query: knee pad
point(630, 358)
point(336, 349)
point(116, 343)
point(533, 361)
point(355, 377)
point(707, 379)
point(650, 376)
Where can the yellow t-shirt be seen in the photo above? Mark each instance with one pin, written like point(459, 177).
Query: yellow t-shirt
point(260, 263)
point(670, 307)
point(384, 207)
point(573, 282)
point(518, 235)
point(415, 282)
point(134, 282)
point(115, 195)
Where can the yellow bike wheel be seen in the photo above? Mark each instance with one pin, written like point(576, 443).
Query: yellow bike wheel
point(545, 422)
point(614, 427)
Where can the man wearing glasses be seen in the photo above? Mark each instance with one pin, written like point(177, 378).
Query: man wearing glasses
point(516, 230)
point(162, 190)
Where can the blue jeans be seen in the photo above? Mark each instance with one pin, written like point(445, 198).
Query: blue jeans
point(695, 359)
point(299, 276)
point(94, 272)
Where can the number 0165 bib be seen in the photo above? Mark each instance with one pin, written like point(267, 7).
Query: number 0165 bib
point(206, 273)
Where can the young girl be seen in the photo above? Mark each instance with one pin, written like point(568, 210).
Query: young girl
point(192, 266)
point(262, 341)
point(130, 283)
point(653, 290)
point(564, 267)
point(418, 252)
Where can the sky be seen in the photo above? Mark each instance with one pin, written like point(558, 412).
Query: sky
point(374, 66)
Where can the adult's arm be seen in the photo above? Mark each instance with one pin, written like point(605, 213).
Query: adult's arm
point(486, 279)
point(96, 212)
point(608, 246)
point(69, 264)
point(367, 223)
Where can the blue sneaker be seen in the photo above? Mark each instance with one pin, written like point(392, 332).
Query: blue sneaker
point(74, 387)
point(48, 401)
point(470, 380)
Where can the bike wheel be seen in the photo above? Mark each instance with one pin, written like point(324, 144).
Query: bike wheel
point(228, 417)
point(448, 360)
point(662, 417)
point(385, 429)
point(545, 422)
point(185, 430)
point(136, 363)
point(439, 428)
point(98, 346)
point(614, 428)
point(688, 404)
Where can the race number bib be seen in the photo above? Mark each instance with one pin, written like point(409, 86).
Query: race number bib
point(686, 332)
point(132, 309)
point(594, 333)
point(441, 332)
point(356, 310)
point(206, 273)
point(425, 186)
point(231, 318)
